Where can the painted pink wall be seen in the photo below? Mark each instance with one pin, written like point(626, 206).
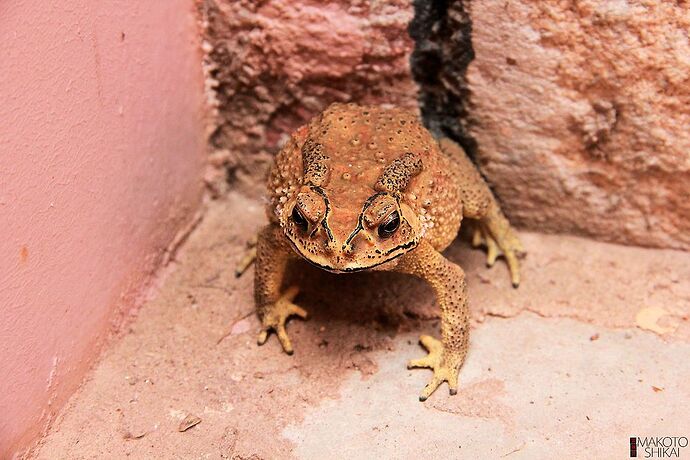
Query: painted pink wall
point(101, 158)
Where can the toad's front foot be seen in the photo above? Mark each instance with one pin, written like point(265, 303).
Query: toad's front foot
point(275, 316)
point(445, 365)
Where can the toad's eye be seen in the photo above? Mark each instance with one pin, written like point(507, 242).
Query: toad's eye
point(390, 225)
point(299, 219)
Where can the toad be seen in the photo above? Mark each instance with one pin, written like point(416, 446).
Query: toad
point(368, 188)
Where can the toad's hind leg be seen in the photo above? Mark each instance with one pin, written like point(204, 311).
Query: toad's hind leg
point(248, 257)
point(491, 227)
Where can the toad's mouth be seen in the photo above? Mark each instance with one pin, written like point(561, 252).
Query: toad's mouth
point(351, 267)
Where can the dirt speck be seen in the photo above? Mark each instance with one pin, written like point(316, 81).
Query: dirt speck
point(23, 254)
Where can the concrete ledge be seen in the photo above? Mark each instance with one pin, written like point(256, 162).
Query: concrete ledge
point(558, 366)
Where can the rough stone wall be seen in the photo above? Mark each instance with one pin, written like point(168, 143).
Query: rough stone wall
point(577, 112)
point(581, 114)
point(272, 65)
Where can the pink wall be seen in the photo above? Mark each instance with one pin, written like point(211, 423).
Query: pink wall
point(101, 156)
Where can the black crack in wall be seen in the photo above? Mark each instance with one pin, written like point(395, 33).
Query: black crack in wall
point(442, 31)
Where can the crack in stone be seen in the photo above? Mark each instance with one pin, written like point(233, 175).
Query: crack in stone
point(442, 31)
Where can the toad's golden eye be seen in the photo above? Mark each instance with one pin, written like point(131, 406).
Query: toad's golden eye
point(299, 219)
point(390, 225)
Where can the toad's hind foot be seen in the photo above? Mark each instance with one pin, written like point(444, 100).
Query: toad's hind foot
point(500, 239)
point(275, 316)
point(481, 237)
point(247, 259)
point(445, 365)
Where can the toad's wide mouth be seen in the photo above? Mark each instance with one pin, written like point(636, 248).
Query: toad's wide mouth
point(351, 267)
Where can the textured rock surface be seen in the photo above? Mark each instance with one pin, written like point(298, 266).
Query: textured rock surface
point(582, 115)
point(578, 114)
point(275, 64)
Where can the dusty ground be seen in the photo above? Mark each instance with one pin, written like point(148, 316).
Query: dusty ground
point(567, 363)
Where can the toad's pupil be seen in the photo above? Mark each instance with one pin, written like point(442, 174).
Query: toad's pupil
point(299, 219)
point(390, 226)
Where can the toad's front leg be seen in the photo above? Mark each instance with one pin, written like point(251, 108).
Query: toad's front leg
point(273, 306)
point(448, 282)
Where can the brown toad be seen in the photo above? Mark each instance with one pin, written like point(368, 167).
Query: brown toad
point(367, 188)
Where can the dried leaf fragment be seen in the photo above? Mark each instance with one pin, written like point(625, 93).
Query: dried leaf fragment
point(188, 422)
point(134, 435)
point(647, 318)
